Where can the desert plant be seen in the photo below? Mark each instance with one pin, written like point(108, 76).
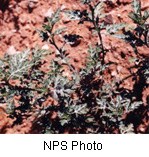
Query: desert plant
point(83, 103)
point(141, 35)
point(82, 111)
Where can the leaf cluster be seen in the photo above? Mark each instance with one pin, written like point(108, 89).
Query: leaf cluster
point(83, 102)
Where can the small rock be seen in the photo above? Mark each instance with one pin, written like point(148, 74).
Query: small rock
point(114, 73)
point(45, 47)
point(23, 19)
point(32, 4)
point(119, 68)
point(49, 13)
point(12, 51)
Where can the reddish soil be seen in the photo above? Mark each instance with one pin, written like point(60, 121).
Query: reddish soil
point(19, 20)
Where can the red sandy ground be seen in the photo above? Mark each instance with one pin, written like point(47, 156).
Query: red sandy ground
point(18, 31)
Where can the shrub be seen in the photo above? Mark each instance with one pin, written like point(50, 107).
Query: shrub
point(83, 103)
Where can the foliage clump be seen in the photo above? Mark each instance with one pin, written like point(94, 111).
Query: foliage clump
point(83, 103)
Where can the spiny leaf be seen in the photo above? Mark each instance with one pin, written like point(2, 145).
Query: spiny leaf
point(59, 31)
point(86, 1)
point(112, 29)
point(55, 17)
point(99, 10)
point(136, 4)
point(146, 15)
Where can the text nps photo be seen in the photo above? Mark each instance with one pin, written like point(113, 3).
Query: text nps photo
point(75, 145)
point(64, 145)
